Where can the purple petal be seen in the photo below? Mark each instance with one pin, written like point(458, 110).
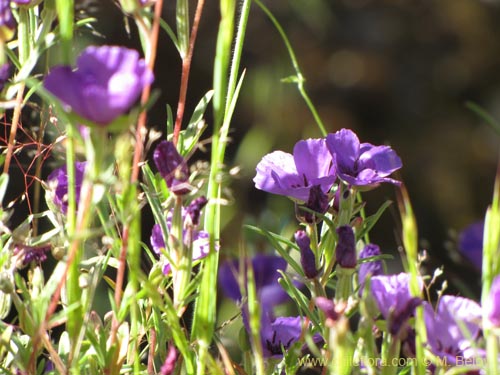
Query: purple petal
point(373, 268)
point(107, 82)
point(172, 167)
point(266, 275)
point(470, 243)
point(344, 144)
point(157, 241)
point(280, 334)
point(381, 159)
point(449, 328)
point(312, 160)
point(277, 174)
point(6, 17)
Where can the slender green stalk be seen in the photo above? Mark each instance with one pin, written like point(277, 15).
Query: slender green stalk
point(224, 98)
point(410, 242)
point(390, 354)
point(298, 78)
point(65, 13)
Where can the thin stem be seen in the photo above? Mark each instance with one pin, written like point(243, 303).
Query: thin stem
point(13, 130)
point(141, 123)
point(299, 79)
point(186, 67)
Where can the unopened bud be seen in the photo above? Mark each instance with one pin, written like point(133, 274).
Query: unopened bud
point(345, 252)
point(307, 258)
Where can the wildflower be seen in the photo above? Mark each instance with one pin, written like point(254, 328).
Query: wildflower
point(59, 179)
point(372, 268)
point(453, 328)
point(394, 300)
point(294, 175)
point(307, 259)
point(200, 239)
point(28, 254)
point(345, 252)
point(492, 304)
point(470, 243)
point(266, 274)
point(107, 82)
point(172, 167)
point(278, 335)
point(361, 164)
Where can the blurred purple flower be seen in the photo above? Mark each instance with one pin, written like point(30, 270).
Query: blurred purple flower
point(492, 303)
point(172, 167)
point(105, 85)
point(452, 329)
point(373, 268)
point(307, 258)
point(278, 335)
point(361, 164)
point(394, 300)
point(200, 238)
point(470, 243)
point(294, 175)
point(266, 275)
point(6, 17)
point(59, 179)
point(345, 252)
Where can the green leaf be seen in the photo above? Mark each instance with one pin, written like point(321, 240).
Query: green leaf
point(485, 116)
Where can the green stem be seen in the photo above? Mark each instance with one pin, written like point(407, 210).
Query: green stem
point(299, 78)
point(390, 354)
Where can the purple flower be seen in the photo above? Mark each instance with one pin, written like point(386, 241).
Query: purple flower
point(394, 300)
point(453, 327)
point(105, 85)
point(317, 202)
point(59, 179)
point(345, 252)
point(361, 164)
point(6, 19)
point(294, 175)
point(373, 267)
point(200, 238)
point(307, 259)
point(266, 275)
point(492, 303)
point(28, 254)
point(278, 335)
point(470, 243)
point(172, 167)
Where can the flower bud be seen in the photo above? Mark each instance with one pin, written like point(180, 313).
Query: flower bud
point(172, 167)
point(328, 307)
point(372, 268)
point(307, 259)
point(345, 252)
point(193, 211)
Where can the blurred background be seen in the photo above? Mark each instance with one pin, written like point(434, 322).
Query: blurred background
point(397, 72)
